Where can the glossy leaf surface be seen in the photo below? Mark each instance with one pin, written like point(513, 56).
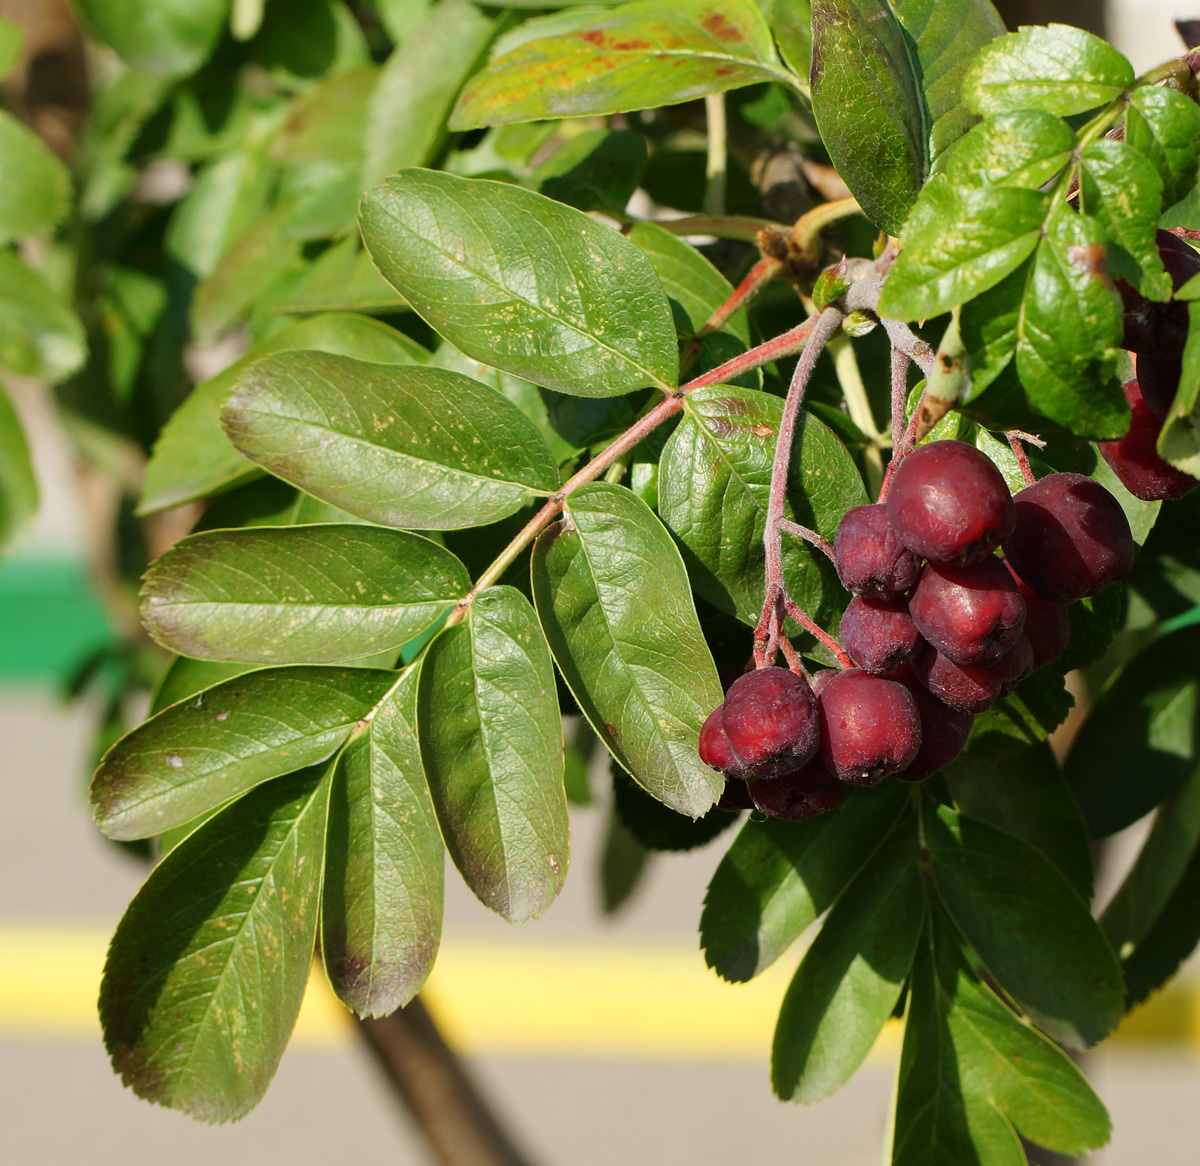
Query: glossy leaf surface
point(298, 595)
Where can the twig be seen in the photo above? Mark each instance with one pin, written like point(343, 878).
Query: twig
point(794, 662)
point(900, 363)
point(757, 277)
point(904, 339)
point(1017, 438)
point(722, 226)
point(445, 1104)
point(807, 624)
point(809, 536)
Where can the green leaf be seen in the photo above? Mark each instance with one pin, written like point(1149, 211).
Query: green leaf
point(12, 41)
point(791, 22)
point(947, 37)
point(404, 446)
point(1179, 442)
point(166, 37)
point(198, 754)
point(40, 335)
point(194, 459)
point(1026, 148)
point(1160, 865)
point(1055, 68)
point(693, 285)
point(492, 743)
point(657, 827)
point(868, 104)
point(1031, 929)
point(613, 598)
point(18, 485)
point(298, 595)
point(208, 967)
point(418, 85)
point(185, 677)
point(1070, 317)
point(637, 56)
point(342, 279)
point(1141, 739)
point(1026, 796)
point(522, 283)
point(958, 244)
point(34, 185)
point(1123, 190)
point(969, 1068)
point(1170, 940)
point(778, 877)
point(713, 488)
point(1165, 126)
point(850, 978)
point(381, 906)
point(597, 170)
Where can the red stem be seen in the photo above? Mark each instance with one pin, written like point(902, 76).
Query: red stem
point(899, 395)
point(1016, 440)
point(902, 450)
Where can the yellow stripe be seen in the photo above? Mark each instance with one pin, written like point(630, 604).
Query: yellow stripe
point(653, 1001)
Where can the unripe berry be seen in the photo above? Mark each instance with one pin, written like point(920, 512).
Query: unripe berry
point(1134, 459)
point(949, 503)
point(879, 634)
point(771, 723)
point(870, 559)
point(870, 727)
point(1071, 538)
point(797, 796)
point(971, 614)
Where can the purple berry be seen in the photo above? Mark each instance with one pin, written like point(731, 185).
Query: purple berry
point(1134, 459)
point(870, 559)
point(870, 727)
point(797, 796)
point(949, 503)
point(879, 634)
point(971, 614)
point(771, 723)
point(1047, 625)
point(973, 689)
point(1071, 539)
point(944, 732)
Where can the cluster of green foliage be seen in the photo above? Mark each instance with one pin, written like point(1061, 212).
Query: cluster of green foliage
point(440, 509)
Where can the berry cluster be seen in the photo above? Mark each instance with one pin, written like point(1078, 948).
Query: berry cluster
point(1156, 334)
point(940, 628)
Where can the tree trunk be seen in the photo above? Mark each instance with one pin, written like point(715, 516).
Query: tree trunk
point(455, 1120)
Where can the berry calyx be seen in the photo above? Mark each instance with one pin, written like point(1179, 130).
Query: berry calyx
point(798, 796)
point(879, 633)
point(1134, 458)
point(1071, 538)
point(972, 615)
point(768, 726)
point(870, 728)
point(949, 503)
point(870, 559)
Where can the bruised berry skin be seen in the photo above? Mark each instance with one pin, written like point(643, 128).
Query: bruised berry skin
point(971, 614)
point(770, 720)
point(1134, 459)
point(944, 732)
point(1047, 625)
point(973, 689)
point(870, 559)
point(798, 796)
point(1071, 539)
point(879, 634)
point(949, 503)
point(870, 727)
point(715, 749)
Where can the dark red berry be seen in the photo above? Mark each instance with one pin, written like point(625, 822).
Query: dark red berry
point(1158, 381)
point(870, 727)
point(870, 559)
point(771, 723)
point(973, 689)
point(1047, 625)
point(1071, 538)
point(1134, 459)
point(1153, 327)
point(971, 614)
point(949, 503)
point(715, 749)
point(798, 796)
point(944, 732)
point(879, 633)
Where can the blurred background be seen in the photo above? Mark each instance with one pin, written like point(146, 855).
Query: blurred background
point(599, 1035)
